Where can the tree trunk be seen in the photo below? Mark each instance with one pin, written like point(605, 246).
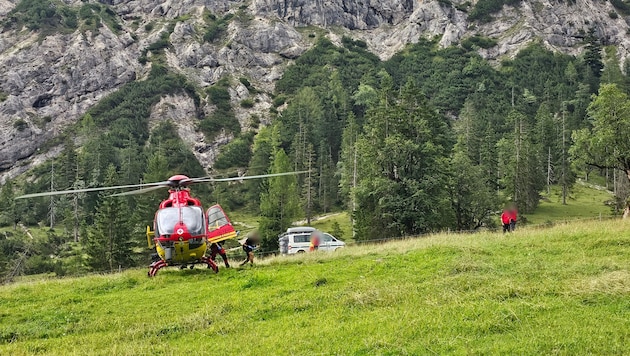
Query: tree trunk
point(626, 210)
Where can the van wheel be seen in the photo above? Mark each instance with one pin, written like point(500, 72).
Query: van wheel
point(301, 251)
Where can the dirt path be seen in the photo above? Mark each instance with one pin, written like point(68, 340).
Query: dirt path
point(316, 218)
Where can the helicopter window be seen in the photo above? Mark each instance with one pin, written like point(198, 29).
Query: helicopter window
point(216, 218)
point(192, 217)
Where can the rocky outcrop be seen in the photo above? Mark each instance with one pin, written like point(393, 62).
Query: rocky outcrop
point(49, 83)
point(350, 14)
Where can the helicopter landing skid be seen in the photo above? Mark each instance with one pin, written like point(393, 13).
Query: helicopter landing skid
point(210, 263)
point(155, 267)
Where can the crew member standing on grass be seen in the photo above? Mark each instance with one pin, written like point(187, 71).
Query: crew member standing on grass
point(217, 248)
point(513, 216)
point(249, 245)
point(315, 240)
point(505, 220)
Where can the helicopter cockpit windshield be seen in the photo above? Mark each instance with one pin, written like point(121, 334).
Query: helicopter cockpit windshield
point(192, 217)
point(216, 218)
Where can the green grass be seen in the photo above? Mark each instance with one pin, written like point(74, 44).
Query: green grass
point(342, 218)
point(563, 290)
point(583, 202)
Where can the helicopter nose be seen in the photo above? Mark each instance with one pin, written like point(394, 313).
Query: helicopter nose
point(181, 231)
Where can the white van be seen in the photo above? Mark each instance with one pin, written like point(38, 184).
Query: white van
point(298, 240)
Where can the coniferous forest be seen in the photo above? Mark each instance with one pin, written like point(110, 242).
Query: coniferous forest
point(429, 140)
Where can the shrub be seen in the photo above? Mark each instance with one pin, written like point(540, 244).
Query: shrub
point(484, 9)
point(479, 41)
point(247, 103)
point(20, 124)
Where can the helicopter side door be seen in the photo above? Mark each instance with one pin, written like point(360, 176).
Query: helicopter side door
point(219, 226)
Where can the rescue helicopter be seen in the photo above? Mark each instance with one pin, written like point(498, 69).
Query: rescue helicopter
point(182, 231)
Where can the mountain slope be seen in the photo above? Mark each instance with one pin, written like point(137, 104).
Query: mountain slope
point(52, 73)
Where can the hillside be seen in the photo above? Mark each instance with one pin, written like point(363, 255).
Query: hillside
point(562, 290)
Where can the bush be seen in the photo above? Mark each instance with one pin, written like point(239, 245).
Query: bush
point(479, 41)
point(247, 103)
point(216, 28)
point(620, 5)
point(20, 124)
point(42, 15)
point(484, 9)
point(279, 100)
point(235, 154)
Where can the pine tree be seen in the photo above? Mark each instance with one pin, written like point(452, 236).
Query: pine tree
point(521, 174)
point(402, 156)
point(110, 243)
point(279, 204)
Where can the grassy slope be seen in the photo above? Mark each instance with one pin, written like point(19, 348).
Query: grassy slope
point(562, 290)
point(583, 202)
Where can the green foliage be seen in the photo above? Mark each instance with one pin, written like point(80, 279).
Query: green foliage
point(3, 96)
point(166, 142)
point(311, 68)
point(478, 41)
point(278, 203)
point(93, 15)
point(622, 6)
point(401, 180)
point(607, 143)
point(484, 9)
point(45, 16)
point(237, 153)
point(20, 124)
point(109, 244)
point(162, 43)
point(247, 103)
point(223, 117)
point(126, 111)
point(248, 85)
point(216, 27)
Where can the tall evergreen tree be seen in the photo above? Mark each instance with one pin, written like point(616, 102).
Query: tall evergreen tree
point(110, 240)
point(403, 155)
point(279, 204)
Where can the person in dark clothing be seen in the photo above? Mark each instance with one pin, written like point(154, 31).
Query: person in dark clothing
point(217, 248)
point(249, 245)
point(513, 213)
point(505, 220)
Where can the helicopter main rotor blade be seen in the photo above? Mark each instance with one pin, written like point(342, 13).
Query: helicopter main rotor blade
point(139, 191)
point(208, 179)
point(96, 189)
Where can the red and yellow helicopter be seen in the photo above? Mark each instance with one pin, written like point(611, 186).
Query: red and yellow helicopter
point(182, 231)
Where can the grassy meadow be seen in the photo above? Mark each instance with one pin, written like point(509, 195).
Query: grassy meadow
point(563, 290)
point(584, 201)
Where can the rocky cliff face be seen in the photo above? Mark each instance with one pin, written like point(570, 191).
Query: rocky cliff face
point(47, 83)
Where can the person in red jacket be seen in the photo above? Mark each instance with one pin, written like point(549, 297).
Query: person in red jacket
point(315, 240)
point(513, 214)
point(505, 220)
